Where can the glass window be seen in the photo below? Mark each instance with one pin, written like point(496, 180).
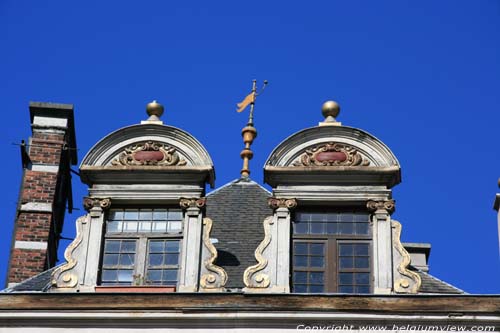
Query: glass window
point(142, 246)
point(331, 252)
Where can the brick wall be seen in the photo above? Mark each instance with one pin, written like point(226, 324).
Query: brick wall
point(44, 191)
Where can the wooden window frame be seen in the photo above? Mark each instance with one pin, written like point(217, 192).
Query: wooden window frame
point(142, 239)
point(332, 241)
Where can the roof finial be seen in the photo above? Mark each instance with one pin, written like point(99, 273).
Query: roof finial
point(249, 132)
point(154, 111)
point(330, 110)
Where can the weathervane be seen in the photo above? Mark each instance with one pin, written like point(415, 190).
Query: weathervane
point(249, 132)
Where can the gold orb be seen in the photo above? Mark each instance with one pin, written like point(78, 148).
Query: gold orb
point(330, 108)
point(154, 109)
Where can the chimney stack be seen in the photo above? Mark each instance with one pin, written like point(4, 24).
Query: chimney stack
point(45, 190)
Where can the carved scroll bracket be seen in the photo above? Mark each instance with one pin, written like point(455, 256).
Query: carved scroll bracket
point(254, 277)
point(103, 203)
point(405, 281)
point(216, 277)
point(386, 205)
point(332, 154)
point(65, 277)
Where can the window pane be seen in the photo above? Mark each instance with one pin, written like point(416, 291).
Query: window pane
point(145, 227)
point(316, 278)
point(316, 289)
point(131, 215)
point(156, 246)
point(300, 288)
point(172, 246)
point(170, 275)
point(361, 250)
point(112, 246)
point(109, 275)
point(346, 262)
point(346, 217)
point(362, 278)
point(300, 248)
point(316, 249)
point(315, 217)
point(300, 227)
point(317, 228)
point(300, 261)
point(174, 226)
point(361, 218)
point(361, 262)
point(361, 228)
point(317, 261)
point(115, 215)
point(160, 215)
point(175, 215)
point(345, 278)
point(300, 277)
point(154, 275)
point(346, 249)
point(346, 228)
point(110, 260)
point(145, 215)
point(172, 259)
point(331, 228)
point(130, 226)
point(125, 275)
point(128, 246)
point(114, 226)
point(159, 226)
point(127, 259)
point(346, 289)
point(155, 259)
point(303, 217)
point(362, 289)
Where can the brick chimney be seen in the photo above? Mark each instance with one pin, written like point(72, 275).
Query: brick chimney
point(45, 190)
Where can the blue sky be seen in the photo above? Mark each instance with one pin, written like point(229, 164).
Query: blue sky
point(422, 76)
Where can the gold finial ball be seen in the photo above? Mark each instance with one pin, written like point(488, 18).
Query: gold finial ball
point(154, 109)
point(330, 108)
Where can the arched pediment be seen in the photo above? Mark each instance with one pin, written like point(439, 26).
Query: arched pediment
point(332, 154)
point(356, 148)
point(148, 148)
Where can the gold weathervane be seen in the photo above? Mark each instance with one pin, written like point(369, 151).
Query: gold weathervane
point(249, 132)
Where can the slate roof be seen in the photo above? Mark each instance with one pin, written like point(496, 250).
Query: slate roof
point(38, 283)
point(433, 285)
point(237, 211)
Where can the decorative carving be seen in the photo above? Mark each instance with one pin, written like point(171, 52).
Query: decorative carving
point(388, 205)
point(63, 276)
point(217, 278)
point(89, 203)
point(275, 203)
point(251, 277)
point(408, 282)
point(149, 153)
point(192, 202)
point(332, 154)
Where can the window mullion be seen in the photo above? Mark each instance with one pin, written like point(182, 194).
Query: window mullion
point(141, 259)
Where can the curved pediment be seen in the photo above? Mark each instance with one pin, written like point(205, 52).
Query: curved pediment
point(332, 154)
point(351, 144)
point(148, 148)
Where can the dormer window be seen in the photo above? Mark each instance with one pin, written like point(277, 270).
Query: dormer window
point(331, 252)
point(142, 247)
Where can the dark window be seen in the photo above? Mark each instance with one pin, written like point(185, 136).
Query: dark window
point(331, 252)
point(142, 247)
